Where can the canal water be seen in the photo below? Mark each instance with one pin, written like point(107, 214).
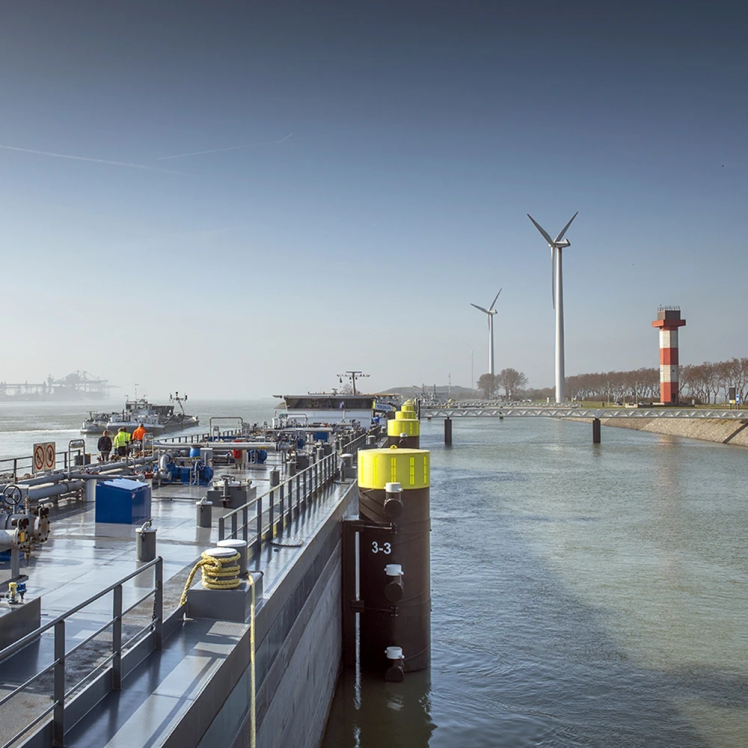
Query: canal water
point(582, 596)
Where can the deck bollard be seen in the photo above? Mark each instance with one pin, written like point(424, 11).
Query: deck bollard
point(145, 541)
point(346, 467)
point(204, 513)
point(394, 560)
point(240, 546)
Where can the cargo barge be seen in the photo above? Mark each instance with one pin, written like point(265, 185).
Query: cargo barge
point(106, 640)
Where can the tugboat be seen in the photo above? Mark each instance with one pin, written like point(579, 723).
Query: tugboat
point(156, 418)
point(96, 422)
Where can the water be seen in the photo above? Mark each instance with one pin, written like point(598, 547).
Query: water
point(24, 424)
point(582, 596)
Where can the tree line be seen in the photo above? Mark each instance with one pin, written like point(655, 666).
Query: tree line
point(705, 383)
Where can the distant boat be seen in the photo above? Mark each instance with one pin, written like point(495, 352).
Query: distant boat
point(333, 407)
point(155, 418)
point(96, 422)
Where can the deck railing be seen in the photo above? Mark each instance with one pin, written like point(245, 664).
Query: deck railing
point(60, 693)
point(25, 464)
point(290, 497)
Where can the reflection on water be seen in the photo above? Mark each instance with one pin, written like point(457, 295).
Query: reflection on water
point(582, 596)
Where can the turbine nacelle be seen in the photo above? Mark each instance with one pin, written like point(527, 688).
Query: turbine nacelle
point(558, 243)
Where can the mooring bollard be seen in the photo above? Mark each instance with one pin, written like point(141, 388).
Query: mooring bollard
point(448, 432)
point(596, 431)
point(145, 542)
point(204, 513)
point(346, 467)
point(404, 432)
point(240, 546)
point(394, 560)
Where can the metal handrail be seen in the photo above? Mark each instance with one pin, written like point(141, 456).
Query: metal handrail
point(25, 463)
point(60, 653)
point(316, 476)
point(313, 478)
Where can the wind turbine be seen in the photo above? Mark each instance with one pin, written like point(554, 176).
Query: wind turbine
point(490, 312)
point(557, 293)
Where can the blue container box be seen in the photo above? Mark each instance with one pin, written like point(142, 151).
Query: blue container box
point(122, 501)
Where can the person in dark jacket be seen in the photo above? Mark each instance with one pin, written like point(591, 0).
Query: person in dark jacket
point(105, 446)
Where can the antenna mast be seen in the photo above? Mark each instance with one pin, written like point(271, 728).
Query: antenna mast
point(352, 375)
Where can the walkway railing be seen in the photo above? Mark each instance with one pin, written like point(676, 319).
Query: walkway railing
point(557, 411)
point(60, 693)
point(290, 497)
point(25, 464)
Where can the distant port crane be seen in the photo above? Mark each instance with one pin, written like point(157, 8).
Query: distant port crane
point(75, 384)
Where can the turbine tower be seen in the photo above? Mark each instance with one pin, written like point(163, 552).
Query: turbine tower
point(557, 293)
point(490, 312)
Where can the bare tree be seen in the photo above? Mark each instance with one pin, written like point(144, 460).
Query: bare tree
point(512, 381)
point(488, 385)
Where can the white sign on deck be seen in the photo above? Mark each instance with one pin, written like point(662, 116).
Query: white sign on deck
point(44, 457)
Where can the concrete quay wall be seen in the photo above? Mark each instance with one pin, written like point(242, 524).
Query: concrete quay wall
point(724, 432)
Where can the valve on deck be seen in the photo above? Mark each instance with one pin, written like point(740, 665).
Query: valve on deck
point(15, 593)
point(24, 524)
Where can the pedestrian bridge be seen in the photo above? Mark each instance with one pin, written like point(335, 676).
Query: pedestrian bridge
point(565, 411)
point(448, 412)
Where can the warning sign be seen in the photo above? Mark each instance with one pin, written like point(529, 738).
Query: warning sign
point(44, 457)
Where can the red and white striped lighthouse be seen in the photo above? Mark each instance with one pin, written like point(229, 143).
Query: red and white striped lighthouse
point(668, 320)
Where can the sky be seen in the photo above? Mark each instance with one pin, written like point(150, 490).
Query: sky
point(241, 199)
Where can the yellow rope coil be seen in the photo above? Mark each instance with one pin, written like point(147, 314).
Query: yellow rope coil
point(214, 571)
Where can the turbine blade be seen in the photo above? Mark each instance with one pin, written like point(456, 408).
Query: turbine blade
point(541, 230)
point(494, 299)
point(565, 228)
point(553, 275)
point(480, 307)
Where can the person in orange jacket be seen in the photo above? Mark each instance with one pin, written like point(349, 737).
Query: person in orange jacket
point(139, 433)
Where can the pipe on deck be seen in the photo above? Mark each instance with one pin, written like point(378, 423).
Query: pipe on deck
point(94, 470)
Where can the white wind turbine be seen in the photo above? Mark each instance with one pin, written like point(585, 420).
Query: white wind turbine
point(490, 312)
point(557, 293)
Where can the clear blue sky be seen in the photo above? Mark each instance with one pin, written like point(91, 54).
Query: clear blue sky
point(415, 138)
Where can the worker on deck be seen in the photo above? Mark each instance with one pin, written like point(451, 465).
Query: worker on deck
point(137, 439)
point(121, 441)
point(104, 446)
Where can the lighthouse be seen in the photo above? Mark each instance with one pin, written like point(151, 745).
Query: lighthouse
point(668, 321)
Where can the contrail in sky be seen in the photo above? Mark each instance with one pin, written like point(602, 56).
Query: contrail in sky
point(86, 158)
point(221, 150)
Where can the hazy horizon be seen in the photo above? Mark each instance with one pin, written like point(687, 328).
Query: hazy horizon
point(254, 197)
